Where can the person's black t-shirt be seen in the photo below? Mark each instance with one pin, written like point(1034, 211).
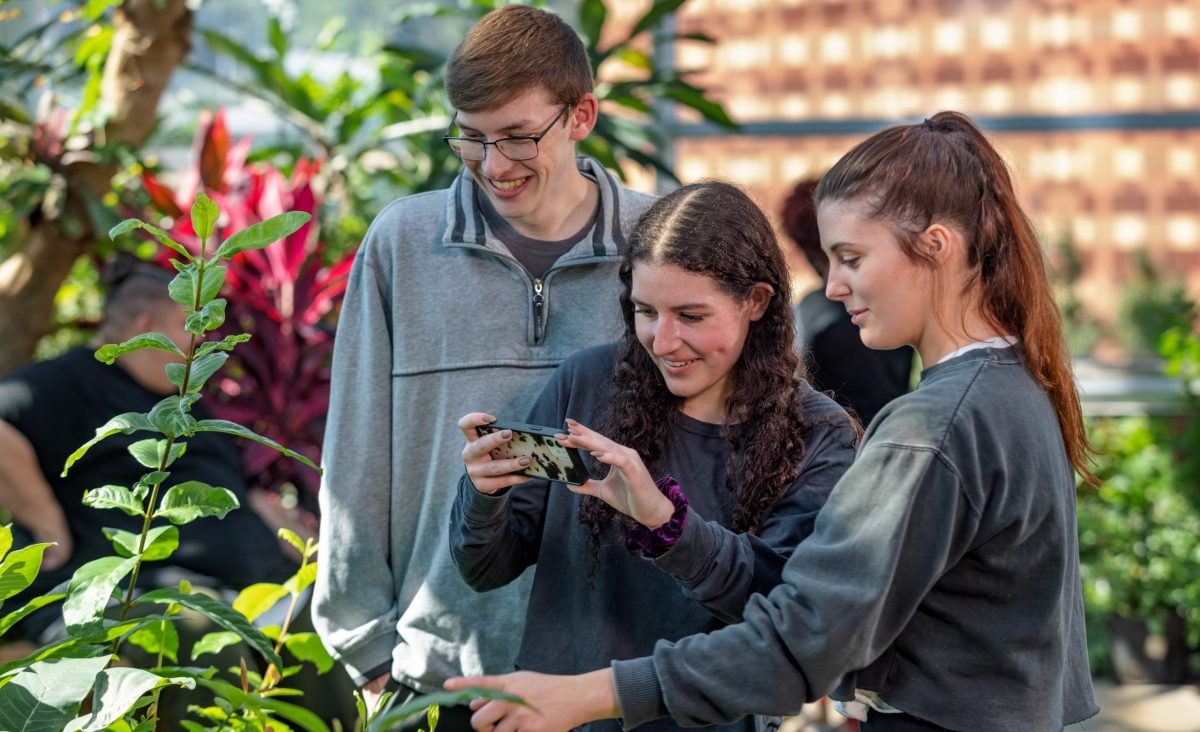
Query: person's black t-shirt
point(58, 404)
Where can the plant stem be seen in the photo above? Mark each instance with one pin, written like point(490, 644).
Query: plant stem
point(127, 603)
point(287, 621)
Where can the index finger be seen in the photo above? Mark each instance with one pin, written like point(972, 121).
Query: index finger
point(458, 683)
point(468, 422)
point(587, 439)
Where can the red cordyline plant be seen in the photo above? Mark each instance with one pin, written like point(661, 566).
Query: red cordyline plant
point(278, 383)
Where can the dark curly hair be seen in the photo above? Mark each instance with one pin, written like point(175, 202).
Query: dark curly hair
point(715, 230)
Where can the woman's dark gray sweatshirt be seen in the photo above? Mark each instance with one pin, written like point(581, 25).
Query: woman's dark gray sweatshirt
point(588, 607)
point(943, 574)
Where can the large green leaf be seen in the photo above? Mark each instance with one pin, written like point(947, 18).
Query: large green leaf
point(652, 17)
point(233, 428)
point(257, 236)
point(202, 368)
point(5, 539)
point(228, 343)
point(109, 353)
point(219, 613)
point(296, 715)
point(258, 598)
point(300, 581)
point(90, 589)
point(114, 496)
point(209, 317)
point(188, 501)
point(158, 637)
point(308, 647)
point(129, 225)
point(19, 569)
point(214, 643)
point(694, 98)
point(46, 695)
point(204, 214)
point(161, 542)
point(127, 423)
point(150, 452)
point(591, 19)
point(170, 416)
point(8, 621)
point(118, 689)
point(418, 704)
point(183, 288)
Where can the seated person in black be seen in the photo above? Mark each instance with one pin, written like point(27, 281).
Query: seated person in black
point(862, 380)
point(49, 409)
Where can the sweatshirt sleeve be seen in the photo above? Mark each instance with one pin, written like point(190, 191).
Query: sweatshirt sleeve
point(722, 568)
point(355, 607)
point(494, 538)
point(893, 525)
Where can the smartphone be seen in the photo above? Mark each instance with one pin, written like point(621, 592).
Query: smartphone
point(547, 458)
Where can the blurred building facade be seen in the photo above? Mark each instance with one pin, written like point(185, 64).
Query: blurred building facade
point(1095, 103)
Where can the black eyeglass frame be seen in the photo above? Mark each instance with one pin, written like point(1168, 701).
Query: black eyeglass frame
point(450, 139)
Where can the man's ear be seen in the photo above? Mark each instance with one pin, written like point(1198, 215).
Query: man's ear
point(582, 117)
point(141, 323)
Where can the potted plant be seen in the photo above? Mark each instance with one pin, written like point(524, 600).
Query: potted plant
point(1139, 534)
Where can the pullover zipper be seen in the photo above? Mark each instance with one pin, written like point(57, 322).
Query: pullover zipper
point(539, 306)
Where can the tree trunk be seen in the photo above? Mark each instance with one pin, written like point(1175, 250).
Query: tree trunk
point(149, 43)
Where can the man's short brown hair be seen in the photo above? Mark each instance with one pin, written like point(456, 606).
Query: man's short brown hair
point(512, 50)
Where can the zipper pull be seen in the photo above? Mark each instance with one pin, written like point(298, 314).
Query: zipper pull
point(539, 303)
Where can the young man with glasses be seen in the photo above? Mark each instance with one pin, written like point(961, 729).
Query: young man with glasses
point(459, 298)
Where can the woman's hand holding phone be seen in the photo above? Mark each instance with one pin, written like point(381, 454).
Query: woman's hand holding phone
point(489, 475)
point(628, 487)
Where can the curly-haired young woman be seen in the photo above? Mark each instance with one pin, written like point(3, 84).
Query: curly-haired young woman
point(711, 456)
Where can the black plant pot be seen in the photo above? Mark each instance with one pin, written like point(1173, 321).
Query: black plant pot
point(1142, 657)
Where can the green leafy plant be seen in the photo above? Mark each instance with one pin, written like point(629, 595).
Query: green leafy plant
point(45, 690)
point(1151, 304)
point(1139, 534)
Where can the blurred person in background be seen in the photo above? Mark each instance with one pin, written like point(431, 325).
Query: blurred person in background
point(861, 379)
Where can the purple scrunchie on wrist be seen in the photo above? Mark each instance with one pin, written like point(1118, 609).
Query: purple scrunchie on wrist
point(656, 542)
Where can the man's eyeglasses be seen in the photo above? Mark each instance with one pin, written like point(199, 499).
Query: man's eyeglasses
point(513, 148)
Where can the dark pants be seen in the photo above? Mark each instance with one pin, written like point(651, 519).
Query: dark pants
point(450, 719)
point(878, 722)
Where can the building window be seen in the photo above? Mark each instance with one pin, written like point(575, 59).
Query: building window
point(1129, 162)
point(949, 38)
point(794, 106)
point(996, 98)
point(1126, 24)
point(891, 42)
point(835, 48)
point(1181, 21)
point(950, 97)
point(793, 50)
point(1181, 161)
point(1129, 230)
point(1083, 230)
point(1184, 231)
point(835, 105)
point(996, 34)
point(1181, 90)
point(1128, 92)
point(796, 167)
